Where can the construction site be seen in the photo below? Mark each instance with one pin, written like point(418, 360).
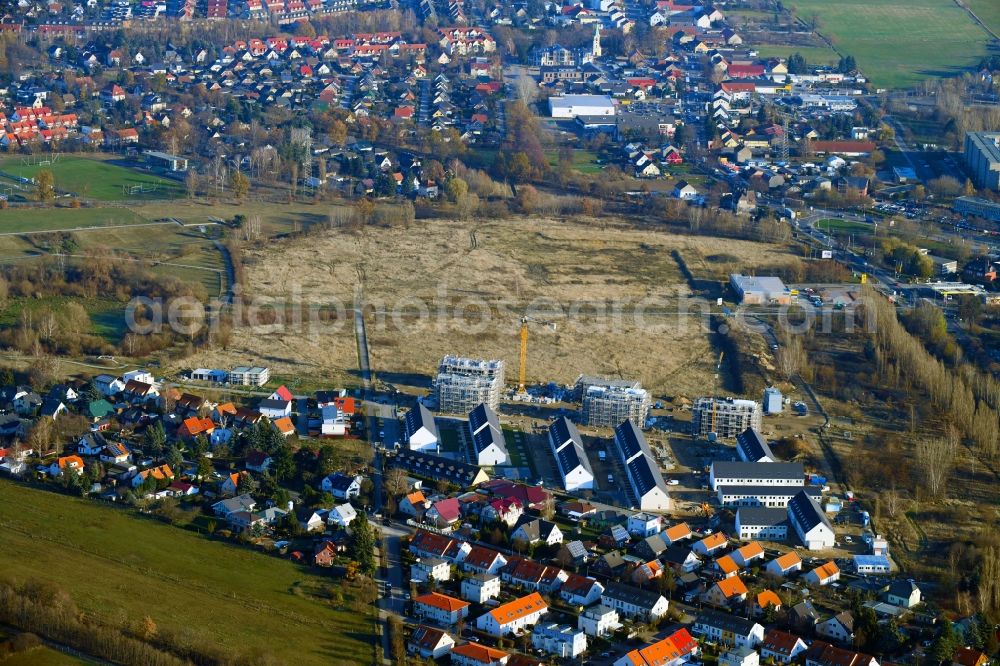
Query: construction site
point(462, 384)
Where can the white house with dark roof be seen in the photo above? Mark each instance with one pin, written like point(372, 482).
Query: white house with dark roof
point(752, 447)
point(571, 458)
point(642, 471)
point(420, 430)
point(810, 522)
point(489, 446)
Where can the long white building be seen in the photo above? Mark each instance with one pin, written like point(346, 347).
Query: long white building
point(641, 469)
point(571, 458)
point(488, 445)
point(728, 473)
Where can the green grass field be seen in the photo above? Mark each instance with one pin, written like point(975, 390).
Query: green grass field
point(120, 567)
point(897, 43)
point(583, 161)
point(24, 220)
point(94, 178)
point(814, 55)
point(844, 226)
point(988, 12)
point(107, 317)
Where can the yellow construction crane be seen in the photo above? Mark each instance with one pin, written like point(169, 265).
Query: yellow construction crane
point(523, 366)
point(718, 382)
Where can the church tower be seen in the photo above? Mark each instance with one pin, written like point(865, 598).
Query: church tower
point(595, 50)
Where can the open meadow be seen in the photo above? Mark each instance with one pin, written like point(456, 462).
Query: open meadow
point(897, 43)
point(89, 177)
point(476, 282)
point(120, 568)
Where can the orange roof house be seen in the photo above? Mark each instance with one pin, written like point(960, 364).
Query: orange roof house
point(824, 574)
point(727, 565)
point(474, 653)
point(768, 598)
point(513, 616)
point(785, 564)
point(440, 607)
point(678, 532)
point(74, 463)
point(667, 651)
point(195, 426)
point(711, 543)
point(284, 426)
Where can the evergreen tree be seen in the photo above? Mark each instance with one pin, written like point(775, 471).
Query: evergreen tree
point(156, 438)
point(945, 645)
point(361, 547)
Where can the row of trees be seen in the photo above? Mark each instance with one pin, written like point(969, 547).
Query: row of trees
point(965, 398)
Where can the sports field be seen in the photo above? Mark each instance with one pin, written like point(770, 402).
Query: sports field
point(92, 178)
point(900, 43)
point(121, 567)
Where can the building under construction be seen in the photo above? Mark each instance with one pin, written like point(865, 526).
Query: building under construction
point(606, 406)
point(584, 382)
point(726, 417)
point(465, 383)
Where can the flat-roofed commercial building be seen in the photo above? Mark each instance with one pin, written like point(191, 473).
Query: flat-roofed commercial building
point(982, 156)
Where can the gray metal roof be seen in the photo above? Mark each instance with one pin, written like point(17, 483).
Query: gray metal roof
point(724, 469)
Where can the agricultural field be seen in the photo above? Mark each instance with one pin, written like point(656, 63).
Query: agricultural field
point(88, 177)
point(988, 12)
point(477, 284)
point(119, 567)
point(899, 44)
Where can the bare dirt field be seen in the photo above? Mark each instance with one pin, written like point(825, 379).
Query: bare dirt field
point(443, 287)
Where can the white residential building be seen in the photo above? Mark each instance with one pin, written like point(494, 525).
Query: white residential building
point(514, 616)
point(810, 522)
point(598, 621)
point(559, 640)
point(480, 588)
point(571, 458)
point(420, 430)
point(642, 472)
point(728, 473)
point(488, 445)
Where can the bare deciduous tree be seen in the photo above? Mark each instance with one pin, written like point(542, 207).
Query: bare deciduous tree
point(936, 460)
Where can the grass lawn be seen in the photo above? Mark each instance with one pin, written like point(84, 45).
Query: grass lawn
point(898, 44)
point(43, 656)
point(117, 567)
point(21, 220)
point(837, 225)
point(814, 55)
point(988, 12)
point(583, 160)
point(95, 178)
point(449, 440)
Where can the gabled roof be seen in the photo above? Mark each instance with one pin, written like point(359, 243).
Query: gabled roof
point(806, 513)
point(735, 624)
point(826, 570)
point(780, 642)
point(751, 550)
point(678, 532)
point(731, 587)
point(767, 598)
point(713, 541)
point(480, 653)
point(788, 560)
point(518, 608)
point(441, 602)
point(727, 565)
